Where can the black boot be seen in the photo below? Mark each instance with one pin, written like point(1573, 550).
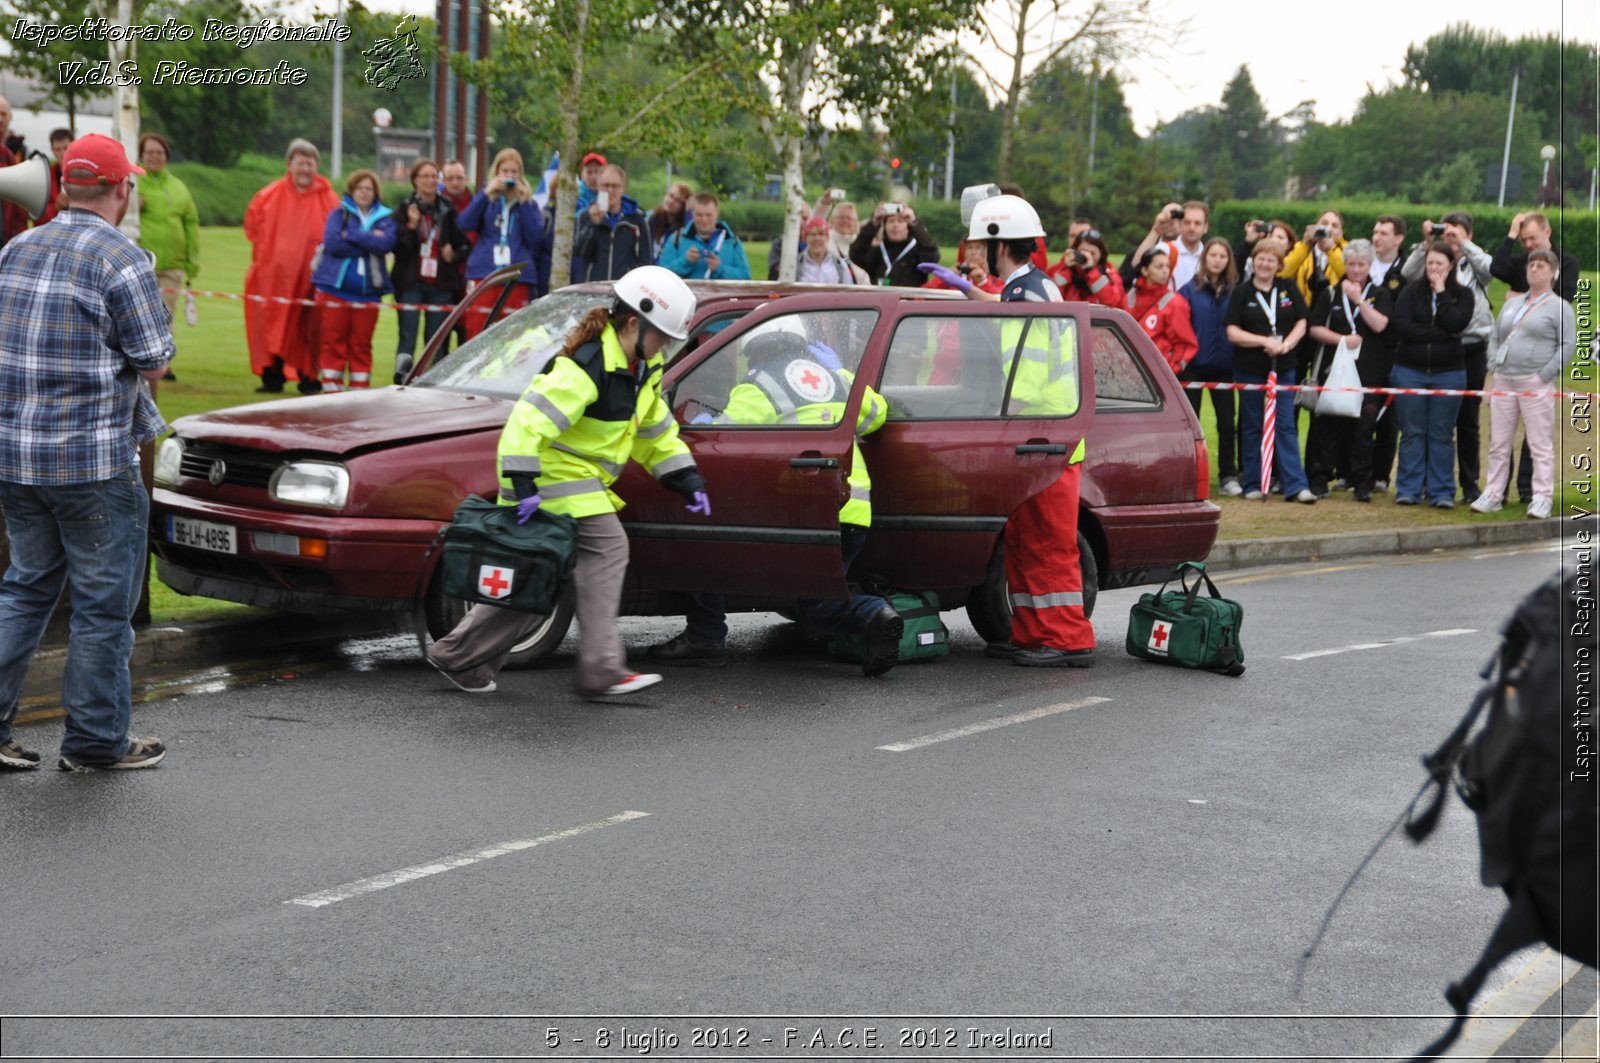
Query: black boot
point(272, 379)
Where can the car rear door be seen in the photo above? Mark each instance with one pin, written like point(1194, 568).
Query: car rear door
point(960, 450)
point(775, 488)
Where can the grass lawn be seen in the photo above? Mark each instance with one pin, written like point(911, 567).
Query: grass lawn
point(213, 368)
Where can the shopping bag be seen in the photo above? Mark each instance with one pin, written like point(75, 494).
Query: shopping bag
point(1344, 374)
point(1181, 627)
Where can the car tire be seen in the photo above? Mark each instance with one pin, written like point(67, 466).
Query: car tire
point(441, 613)
point(989, 608)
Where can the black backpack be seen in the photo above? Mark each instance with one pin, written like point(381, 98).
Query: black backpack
point(1529, 774)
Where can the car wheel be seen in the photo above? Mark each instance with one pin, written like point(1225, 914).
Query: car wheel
point(989, 608)
point(441, 613)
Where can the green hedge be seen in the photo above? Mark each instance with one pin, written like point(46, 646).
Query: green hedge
point(221, 195)
point(1574, 231)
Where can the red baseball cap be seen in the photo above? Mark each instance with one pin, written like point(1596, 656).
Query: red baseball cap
point(594, 156)
point(98, 152)
point(813, 223)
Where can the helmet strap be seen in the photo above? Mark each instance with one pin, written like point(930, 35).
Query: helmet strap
point(994, 258)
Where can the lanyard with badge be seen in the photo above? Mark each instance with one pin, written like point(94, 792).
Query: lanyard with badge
point(502, 250)
point(888, 266)
point(1269, 307)
point(1522, 312)
point(428, 263)
point(1349, 313)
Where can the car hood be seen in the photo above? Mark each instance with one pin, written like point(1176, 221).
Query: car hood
point(349, 422)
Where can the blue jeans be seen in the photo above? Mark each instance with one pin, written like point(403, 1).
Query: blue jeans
point(1290, 476)
point(707, 613)
point(96, 534)
point(422, 293)
point(1427, 434)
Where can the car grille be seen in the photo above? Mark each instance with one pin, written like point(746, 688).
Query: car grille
point(241, 468)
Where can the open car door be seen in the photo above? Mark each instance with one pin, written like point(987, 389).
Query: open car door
point(987, 402)
point(775, 485)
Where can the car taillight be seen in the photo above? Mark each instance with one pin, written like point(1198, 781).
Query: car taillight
point(1202, 471)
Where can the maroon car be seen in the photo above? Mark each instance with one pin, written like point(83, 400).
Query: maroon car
point(332, 502)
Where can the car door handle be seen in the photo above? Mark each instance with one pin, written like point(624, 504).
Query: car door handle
point(1041, 448)
point(813, 463)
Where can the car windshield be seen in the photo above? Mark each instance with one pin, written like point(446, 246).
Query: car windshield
point(501, 361)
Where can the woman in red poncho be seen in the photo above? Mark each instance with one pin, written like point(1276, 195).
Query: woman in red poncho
point(284, 225)
point(1162, 312)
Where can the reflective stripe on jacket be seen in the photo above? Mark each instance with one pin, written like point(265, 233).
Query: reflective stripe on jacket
point(1046, 380)
point(577, 424)
point(804, 392)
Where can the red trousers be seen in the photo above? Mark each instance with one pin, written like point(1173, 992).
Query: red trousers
point(477, 318)
point(344, 337)
point(1042, 569)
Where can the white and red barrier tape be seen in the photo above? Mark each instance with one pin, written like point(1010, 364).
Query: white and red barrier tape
point(343, 303)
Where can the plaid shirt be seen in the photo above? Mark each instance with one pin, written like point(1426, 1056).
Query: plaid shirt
point(80, 314)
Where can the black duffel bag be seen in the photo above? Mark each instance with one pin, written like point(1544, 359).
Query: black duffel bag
point(490, 558)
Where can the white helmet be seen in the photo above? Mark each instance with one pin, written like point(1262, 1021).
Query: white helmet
point(1004, 218)
point(661, 298)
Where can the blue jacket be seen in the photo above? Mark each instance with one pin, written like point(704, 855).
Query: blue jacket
point(1207, 309)
point(524, 235)
point(353, 252)
point(606, 251)
point(675, 251)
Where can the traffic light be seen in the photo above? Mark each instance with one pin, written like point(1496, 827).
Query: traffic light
point(894, 163)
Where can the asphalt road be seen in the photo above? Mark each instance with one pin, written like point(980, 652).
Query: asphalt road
point(1124, 862)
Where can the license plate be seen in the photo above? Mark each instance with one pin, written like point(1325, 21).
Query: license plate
point(203, 535)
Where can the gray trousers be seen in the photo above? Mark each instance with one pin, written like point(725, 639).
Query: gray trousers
point(479, 645)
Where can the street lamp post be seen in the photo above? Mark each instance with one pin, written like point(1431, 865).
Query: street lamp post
point(1511, 118)
point(1547, 153)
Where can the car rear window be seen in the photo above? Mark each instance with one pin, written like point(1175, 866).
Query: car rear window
point(1119, 380)
point(957, 367)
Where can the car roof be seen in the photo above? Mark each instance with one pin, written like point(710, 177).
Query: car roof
point(720, 291)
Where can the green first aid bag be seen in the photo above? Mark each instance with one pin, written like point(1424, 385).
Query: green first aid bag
point(925, 637)
point(489, 558)
point(1181, 627)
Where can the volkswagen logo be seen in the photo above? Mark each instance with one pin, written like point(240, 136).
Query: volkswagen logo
point(219, 472)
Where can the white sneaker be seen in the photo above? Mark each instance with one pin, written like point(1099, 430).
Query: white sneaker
point(1539, 508)
point(1254, 496)
point(1305, 497)
point(628, 684)
point(1486, 503)
point(1232, 488)
point(1380, 485)
point(1341, 484)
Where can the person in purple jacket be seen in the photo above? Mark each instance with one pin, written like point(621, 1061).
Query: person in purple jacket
point(510, 230)
point(351, 279)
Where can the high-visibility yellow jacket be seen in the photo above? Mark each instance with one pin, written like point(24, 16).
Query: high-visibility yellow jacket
point(805, 392)
point(577, 424)
point(1046, 381)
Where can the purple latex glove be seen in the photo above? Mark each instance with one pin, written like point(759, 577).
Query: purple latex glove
point(948, 275)
point(527, 507)
point(701, 505)
point(700, 418)
point(824, 355)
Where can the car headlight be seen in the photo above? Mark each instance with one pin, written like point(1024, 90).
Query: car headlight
point(311, 483)
point(169, 460)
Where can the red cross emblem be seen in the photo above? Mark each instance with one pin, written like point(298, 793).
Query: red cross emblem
point(1160, 631)
point(494, 582)
point(811, 379)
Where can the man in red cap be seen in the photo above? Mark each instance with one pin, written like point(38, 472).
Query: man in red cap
point(589, 187)
point(81, 322)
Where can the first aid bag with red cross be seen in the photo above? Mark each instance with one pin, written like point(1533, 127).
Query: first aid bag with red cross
point(489, 558)
point(1187, 628)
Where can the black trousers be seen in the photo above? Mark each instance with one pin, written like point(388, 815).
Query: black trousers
point(1222, 404)
point(1468, 445)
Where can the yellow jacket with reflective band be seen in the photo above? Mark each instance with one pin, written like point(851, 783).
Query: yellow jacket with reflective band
point(764, 400)
point(1046, 382)
point(575, 441)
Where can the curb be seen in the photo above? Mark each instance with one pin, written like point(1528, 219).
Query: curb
point(230, 641)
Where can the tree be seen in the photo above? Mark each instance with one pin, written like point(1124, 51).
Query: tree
point(1027, 33)
point(204, 123)
point(1065, 108)
point(803, 60)
point(1246, 138)
point(44, 63)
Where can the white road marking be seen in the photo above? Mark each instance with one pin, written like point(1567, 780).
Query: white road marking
point(450, 863)
point(1579, 1041)
point(990, 725)
point(1499, 1017)
point(1399, 640)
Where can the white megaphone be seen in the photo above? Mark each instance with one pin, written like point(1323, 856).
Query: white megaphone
point(27, 185)
point(971, 196)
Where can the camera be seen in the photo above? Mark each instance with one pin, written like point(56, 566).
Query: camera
point(836, 194)
point(1262, 228)
point(1321, 232)
point(509, 182)
point(965, 268)
point(893, 208)
point(1175, 214)
point(1076, 259)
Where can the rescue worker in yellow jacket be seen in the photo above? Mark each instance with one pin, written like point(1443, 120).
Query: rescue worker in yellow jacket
point(570, 435)
point(791, 381)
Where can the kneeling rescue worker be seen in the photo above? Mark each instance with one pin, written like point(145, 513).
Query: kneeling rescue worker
point(770, 394)
point(597, 405)
point(1049, 628)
